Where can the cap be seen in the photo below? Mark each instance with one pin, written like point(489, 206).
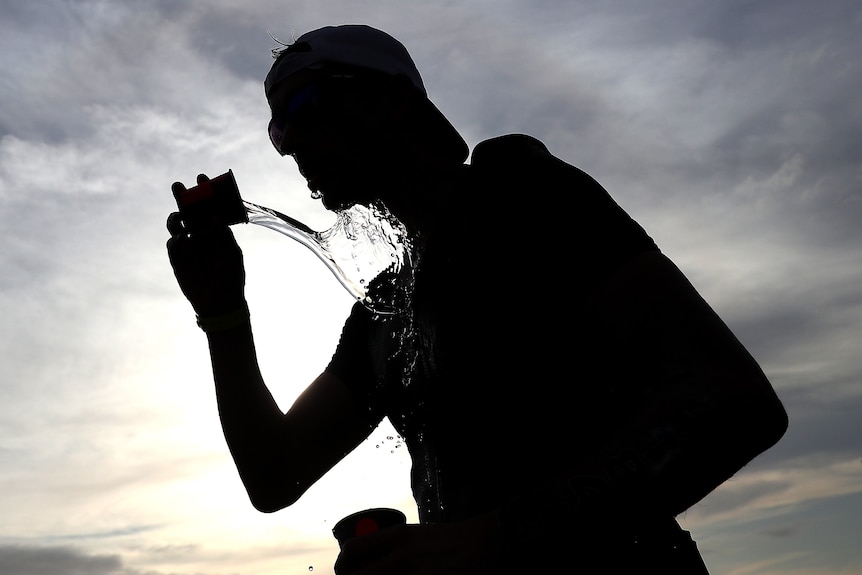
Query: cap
point(361, 46)
point(349, 45)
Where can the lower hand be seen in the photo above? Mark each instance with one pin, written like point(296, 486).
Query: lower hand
point(466, 547)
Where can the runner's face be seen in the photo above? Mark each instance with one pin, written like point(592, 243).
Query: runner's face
point(336, 128)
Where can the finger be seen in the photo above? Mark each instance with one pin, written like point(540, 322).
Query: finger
point(364, 552)
point(178, 187)
point(178, 249)
point(175, 224)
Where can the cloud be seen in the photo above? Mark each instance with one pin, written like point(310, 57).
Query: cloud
point(69, 560)
point(763, 491)
point(784, 531)
point(730, 131)
point(22, 560)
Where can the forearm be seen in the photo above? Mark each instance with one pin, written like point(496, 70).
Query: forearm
point(252, 422)
point(240, 389)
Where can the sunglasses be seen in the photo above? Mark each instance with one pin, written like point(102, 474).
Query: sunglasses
point(304, 107)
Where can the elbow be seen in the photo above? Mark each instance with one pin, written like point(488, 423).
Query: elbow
point(269, 501)
point(762, 424)
point(769, 416)
point(778, 421)
point(268, 494)
point(267, 505)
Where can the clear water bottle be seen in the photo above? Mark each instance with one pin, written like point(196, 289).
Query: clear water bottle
point(367, 248)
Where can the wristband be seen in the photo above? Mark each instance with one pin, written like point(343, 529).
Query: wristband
point(225, 321)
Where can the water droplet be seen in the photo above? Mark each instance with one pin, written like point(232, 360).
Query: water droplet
point(311, 567)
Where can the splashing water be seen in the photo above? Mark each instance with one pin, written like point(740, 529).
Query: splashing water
point(370, 252)
point(367, 249)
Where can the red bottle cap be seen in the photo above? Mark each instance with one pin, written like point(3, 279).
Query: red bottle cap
point(366, 522)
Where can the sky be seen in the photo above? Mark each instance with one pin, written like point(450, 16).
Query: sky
point(732, 131)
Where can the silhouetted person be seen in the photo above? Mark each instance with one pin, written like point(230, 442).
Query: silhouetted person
point(563, 390)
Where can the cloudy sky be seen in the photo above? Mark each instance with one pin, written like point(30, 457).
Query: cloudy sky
point(731, 130)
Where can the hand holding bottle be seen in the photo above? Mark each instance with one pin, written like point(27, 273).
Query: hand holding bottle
point(207, 263)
